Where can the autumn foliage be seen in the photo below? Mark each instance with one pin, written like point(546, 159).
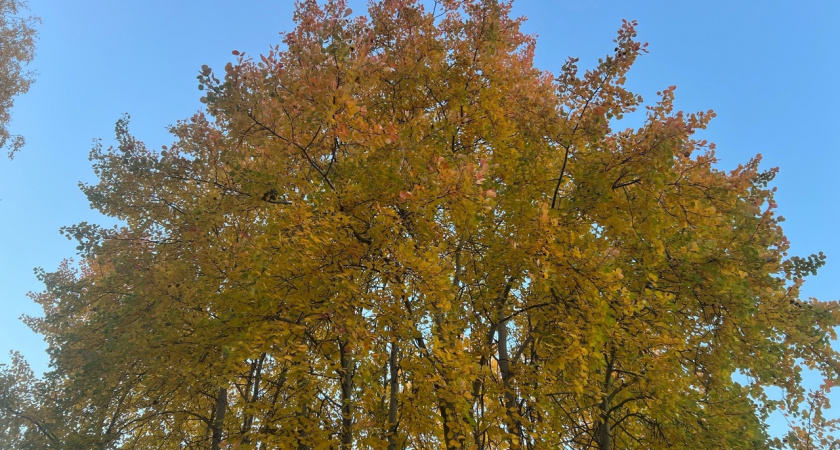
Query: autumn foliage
point(393, 231)
point(17, 48)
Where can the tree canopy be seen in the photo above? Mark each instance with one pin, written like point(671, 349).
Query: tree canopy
point(393, 231)
point(17, 48)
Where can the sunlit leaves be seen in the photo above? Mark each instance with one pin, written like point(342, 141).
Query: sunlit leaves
point(17, 48)
point(395, 232)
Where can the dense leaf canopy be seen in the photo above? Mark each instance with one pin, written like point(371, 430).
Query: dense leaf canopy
point(395, 232)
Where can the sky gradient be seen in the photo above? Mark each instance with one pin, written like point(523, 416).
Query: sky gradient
point(767, 68)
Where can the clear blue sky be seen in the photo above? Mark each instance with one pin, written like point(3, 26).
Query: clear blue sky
point(769, 69)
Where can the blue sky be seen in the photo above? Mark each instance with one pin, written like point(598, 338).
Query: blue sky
point(768, 68)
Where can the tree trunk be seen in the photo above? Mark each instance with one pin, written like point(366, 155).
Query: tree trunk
point(393, 397)
point(254, 387)
point(346, 395)
point(514, 425)
point(219, 419)
point(604, 435)
point(604, 431)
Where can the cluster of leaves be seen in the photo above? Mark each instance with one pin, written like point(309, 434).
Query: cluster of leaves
point(17, 47)
point(397, 233)
point(809, 427)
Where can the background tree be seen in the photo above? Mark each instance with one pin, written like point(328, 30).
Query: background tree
point(397, 233)
point(17, 47)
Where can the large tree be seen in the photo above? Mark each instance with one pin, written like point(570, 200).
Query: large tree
point(17, 47)
point(396, 232)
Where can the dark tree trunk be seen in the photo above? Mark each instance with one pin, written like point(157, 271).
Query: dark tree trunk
point(346, 395)
point(218, 426)
point(393, 397)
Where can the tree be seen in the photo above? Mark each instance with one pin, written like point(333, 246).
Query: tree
point(17, 47)
point(396, 232)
